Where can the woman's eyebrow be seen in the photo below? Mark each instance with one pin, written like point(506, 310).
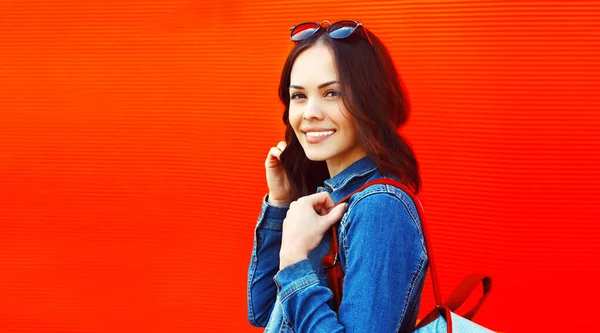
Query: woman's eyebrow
point(320, 86)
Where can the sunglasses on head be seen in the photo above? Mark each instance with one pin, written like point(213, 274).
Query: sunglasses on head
point(337, 30)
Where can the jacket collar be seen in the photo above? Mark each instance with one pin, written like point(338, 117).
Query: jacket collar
point(349, 179)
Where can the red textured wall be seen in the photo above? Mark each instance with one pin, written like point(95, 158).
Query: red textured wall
point(133, 136)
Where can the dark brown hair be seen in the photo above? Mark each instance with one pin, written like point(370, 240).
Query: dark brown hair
point(375, 97)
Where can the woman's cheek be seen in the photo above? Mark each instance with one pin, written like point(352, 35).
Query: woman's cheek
point(294, 119)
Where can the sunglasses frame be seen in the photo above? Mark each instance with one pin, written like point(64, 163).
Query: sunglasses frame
point(321, 26)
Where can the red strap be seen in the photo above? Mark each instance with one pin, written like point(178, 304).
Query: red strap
point(335, 274)
point(466, 287)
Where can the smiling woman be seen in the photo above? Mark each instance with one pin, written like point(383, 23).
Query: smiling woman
point(344, 103)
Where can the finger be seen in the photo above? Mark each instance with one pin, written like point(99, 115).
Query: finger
point(275, 152)
point(281, 145)
point(332, 207)
point(334, 216)
point(273, 158)
point(322, 211)
point(321, 200)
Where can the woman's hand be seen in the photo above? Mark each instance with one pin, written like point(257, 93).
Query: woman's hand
point(305, 224)
point(277, 180)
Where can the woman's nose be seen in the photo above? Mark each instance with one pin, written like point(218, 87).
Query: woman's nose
point(313, 110)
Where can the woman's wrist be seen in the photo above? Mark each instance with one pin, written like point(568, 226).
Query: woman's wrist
point(276, 202)
point(289, 258)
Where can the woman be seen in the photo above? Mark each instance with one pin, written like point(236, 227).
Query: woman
point(343, 105)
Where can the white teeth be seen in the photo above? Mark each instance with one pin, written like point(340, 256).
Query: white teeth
point(319, 133)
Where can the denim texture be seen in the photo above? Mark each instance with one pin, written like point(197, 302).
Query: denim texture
point(382, 251)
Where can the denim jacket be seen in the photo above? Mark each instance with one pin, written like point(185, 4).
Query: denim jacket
point(382, 252)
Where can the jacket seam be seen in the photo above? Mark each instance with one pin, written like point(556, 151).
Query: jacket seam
point(347, 180)
point(386, 189)
point(298, 286)
point(411, 288)
point(253, 266)
point(365, 193)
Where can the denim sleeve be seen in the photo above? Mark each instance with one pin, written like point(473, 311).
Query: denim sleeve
point(385, 260)
point(264, 263)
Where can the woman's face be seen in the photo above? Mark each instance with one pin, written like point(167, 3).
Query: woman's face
point(317, 113)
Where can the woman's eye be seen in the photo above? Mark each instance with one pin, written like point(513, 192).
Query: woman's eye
point(332, 93)
point(296, 95)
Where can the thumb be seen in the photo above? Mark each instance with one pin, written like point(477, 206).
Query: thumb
point(334, 215)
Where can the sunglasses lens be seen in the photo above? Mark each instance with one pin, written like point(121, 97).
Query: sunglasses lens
point(303, 31)
point(342, 29)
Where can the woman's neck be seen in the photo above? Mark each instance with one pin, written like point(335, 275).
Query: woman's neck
point(338, 163)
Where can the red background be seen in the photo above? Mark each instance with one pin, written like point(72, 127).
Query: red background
point(133, 136)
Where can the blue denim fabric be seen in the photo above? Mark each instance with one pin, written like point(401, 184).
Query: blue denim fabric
point(382, 252)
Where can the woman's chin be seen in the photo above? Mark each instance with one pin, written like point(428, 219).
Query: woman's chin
point(316, 156)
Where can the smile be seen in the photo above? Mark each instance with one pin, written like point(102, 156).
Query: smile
point(316, 137)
